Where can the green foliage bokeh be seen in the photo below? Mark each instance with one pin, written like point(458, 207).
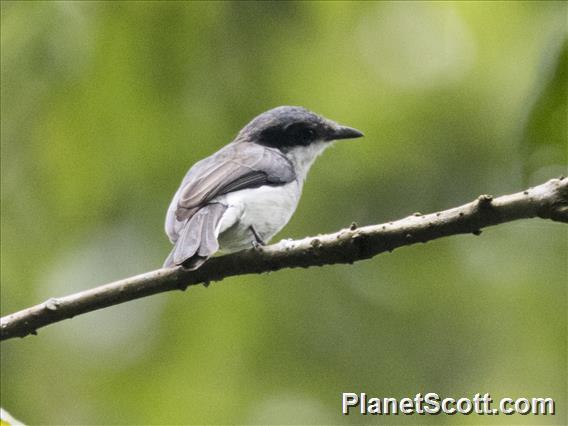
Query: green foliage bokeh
point(106, 104)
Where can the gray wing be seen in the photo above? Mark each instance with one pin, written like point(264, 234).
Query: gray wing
point(234, 167)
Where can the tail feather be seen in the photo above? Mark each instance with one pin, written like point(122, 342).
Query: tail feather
point(209, 244)
point(190, 238)
point(198, 239)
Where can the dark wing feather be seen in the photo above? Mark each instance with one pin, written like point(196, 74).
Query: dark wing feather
point(236, 166)
point(252, 179)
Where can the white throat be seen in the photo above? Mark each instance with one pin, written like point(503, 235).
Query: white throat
point(302, 158)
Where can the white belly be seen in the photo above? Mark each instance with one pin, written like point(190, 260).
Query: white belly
point(267, 208)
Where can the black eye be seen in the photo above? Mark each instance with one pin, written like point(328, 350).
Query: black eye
point(298, 134)
point(308, 134)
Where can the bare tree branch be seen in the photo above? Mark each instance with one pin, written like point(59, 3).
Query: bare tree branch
point(546, 201)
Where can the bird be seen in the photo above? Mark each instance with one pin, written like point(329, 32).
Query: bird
point(246, 192)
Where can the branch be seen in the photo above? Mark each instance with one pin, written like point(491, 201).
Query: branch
point(546, 201)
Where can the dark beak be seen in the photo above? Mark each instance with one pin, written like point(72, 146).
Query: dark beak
point(343, 132)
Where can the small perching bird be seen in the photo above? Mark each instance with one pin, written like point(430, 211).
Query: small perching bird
point(246, 192)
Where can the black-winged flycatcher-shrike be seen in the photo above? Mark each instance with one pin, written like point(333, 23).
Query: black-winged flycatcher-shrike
point(242, 195)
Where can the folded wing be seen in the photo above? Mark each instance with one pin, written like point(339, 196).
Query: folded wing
point(237, 166)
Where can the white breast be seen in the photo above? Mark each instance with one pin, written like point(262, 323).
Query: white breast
point(268, 208)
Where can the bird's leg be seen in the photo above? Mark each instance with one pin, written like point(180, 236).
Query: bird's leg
point(258, 241)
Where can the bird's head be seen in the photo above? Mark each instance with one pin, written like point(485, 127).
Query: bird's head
point(288, 127)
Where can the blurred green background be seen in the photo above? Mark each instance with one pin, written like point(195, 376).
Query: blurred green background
point(105, 105)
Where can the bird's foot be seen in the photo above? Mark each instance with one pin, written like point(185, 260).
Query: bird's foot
point(256, 245)
point(257, 242)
